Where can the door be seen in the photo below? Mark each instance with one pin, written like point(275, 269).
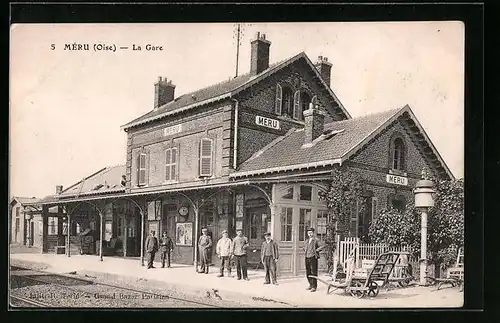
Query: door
point(32, 233)
point(168, 224)
point(259, 222)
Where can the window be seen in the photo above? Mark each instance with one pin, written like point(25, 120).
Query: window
point(304, 223)
point(17, 211)
point(305, 193)
point(398, 204)
point(171, 164)
point(286, 223)
point(296, 105)
point(119, 226)
point(141, 169)
point(287, 104)
point(278, 100)
point(321, 221)
point(254, 222)
point(305, 99)
point(289, 194)
point(53, 225)
point(398, 157)
point(206, 159)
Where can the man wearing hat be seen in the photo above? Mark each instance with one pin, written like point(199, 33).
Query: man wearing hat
point(224, 250)
point(269, 256)
point(204, 244)
point(151, 248)
point(166, 246)
point(312, 249)
point(240, 246)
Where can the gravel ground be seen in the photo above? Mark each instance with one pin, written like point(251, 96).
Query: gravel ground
point(90, 292)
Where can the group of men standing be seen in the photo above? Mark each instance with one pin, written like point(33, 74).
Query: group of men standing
point(236, 248)
point(226, 249)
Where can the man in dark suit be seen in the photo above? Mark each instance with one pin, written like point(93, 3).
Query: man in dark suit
point(269, 256)
point(151, 248)
point(204, 245)
point(166, 246)
point(312, 249)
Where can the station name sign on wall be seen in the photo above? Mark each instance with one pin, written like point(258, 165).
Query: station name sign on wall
point(398, 180)
point(172, 130)
point(267, 122)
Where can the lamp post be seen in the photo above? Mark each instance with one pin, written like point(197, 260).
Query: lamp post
point(423, 201)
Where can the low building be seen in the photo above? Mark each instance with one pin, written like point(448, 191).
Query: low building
point(253, 153)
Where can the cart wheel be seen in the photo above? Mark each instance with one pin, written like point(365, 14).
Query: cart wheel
point(357, 293)
point(404, 283)
point(373, 289)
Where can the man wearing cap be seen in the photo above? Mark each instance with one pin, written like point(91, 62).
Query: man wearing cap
point(224, 250)
point(204, 244)
point(151, 248)
point(312, 249)
point(240, 245)
point(269, 256)
point(166, 246)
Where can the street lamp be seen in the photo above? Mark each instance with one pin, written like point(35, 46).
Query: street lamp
point(423, 200)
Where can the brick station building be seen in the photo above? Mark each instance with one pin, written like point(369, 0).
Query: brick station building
point(253, 153)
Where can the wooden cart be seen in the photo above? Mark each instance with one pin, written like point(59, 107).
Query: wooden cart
point(378, 277)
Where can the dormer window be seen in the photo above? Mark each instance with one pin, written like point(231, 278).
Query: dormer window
point(292, 104)
point(398, 154)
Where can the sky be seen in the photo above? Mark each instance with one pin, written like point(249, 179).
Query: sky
point(66, 107)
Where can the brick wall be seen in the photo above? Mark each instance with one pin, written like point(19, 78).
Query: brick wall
point(377, 153)
point(150, 139)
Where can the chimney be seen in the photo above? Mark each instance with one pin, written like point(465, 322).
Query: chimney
point(259, 60)
point(59, 189)
point(164, 92)
point(314, 121)
point(324, 68)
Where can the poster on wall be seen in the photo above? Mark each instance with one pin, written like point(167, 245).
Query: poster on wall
point(239, 205)
point(153, 226)
point(184, 234)
point(151, 211)
point(108, 230)
point(239, 225)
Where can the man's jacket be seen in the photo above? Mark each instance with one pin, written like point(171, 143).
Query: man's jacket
point(151, 244)
point(274, 249)
point(166, 244)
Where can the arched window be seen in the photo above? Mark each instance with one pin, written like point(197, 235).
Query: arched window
point(398, 154)
point(305, 99)
point(287, 102)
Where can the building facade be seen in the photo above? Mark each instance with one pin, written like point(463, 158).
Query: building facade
point(253, 153)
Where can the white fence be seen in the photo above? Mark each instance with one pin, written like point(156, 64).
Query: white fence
point(368, 253)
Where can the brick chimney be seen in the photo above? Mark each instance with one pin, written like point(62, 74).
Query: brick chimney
point(59, 189)
point(259, 60)
point(164, 92)
point(324, 68)
point(314, 122)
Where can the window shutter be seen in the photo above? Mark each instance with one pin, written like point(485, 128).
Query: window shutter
point(142, 169)
point(279, 93)
point(206, 157)
point(296, 105)
point(138, 168)
point(173, 167)
point(167, 164)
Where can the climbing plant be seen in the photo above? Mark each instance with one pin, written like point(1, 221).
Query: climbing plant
point(343, 196)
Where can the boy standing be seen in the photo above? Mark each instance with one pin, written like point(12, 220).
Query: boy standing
point(240, 245)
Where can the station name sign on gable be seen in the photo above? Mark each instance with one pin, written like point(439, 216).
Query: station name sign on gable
point(398, 180)
point(172, 130)
point(267, 122)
